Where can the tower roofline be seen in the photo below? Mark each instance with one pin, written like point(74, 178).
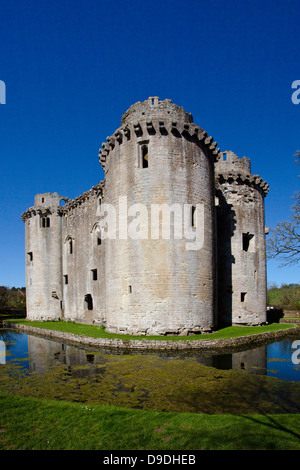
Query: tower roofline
point(155, 108)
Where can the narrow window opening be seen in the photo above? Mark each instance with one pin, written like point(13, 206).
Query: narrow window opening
point(70, 244)
point(45, 222)
point(247, 241)
point(90, 358)
point(99, 238)
point(129, 289)
point(152, 101)
point(243, 296)
point(94, 274)
point(66, 279)
point(145, 162)
point(88, 302)
point(30, 256)
point(43, 200)
point(193, 216)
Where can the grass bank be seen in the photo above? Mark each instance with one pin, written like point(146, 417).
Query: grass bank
point(94, 331)
point(39, 424)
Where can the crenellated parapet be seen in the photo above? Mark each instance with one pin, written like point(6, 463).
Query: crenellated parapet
point(230, 168)
point(44, 205)
point(32, 211)
point(96, 190)
point(145, 119)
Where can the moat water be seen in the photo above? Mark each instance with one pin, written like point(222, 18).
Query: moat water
point(265, 379)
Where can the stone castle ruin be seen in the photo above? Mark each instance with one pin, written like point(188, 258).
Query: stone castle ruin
point(171, 242)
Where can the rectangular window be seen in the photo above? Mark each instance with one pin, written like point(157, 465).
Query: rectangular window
point(29, 256)
point(143, 156)
point(243, 296)
point(66, 279)
point(45, 222)
point(193, 216)
point(94, 274)
point(248, 241)
point(88, 302)
point(129, 289)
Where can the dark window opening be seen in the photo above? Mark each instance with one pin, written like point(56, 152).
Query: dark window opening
point(30, 256)
point(129, 289)
point(90, 358)
point(45, 222)
point(88, 301)
point(145, 162)
point(43, 199)
point(247, 237)
point(193, 221)
point(99, 238)
point(94, 274)
point(66, 279)
point(243, 296)
point(70, 243)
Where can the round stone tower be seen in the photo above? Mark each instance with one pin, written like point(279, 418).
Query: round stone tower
point(159, 189)
point(43, 239)
point(241, 242)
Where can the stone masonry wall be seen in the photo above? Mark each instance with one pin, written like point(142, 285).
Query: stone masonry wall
point(157, 286)
point(139, 279)
point(241, 243)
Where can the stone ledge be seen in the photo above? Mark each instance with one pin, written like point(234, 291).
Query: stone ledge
point(242, 342)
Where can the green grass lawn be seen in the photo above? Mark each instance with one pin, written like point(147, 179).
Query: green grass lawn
point(38, 424)
point(99, 331)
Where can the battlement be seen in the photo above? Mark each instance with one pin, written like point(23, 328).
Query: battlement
point(51, 200)
point(150, 117)
point(72, 203)
point(44, 204)
point(155, 109)
point(228, 161)
point(229, 167)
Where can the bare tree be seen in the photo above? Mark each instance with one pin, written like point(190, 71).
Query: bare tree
point(284, 242)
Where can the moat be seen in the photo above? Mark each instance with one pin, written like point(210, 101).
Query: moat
point(265, 379)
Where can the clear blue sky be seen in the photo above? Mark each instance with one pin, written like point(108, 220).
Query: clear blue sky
point(73, 68)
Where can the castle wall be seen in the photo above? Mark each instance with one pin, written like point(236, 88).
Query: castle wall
point(157, 285)
point(83, 261)
point(169, 261)
point(43, 258)
point(241, 244)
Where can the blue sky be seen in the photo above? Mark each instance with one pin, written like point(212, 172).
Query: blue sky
point(72, 69)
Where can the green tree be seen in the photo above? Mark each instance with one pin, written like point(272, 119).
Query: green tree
point(4, 296)
point(284, 240)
